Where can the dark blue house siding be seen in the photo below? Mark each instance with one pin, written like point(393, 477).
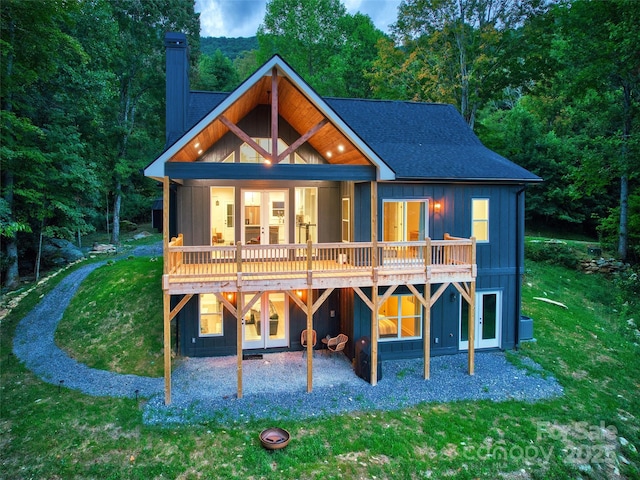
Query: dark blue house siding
point(191, 344)
point(500, 261)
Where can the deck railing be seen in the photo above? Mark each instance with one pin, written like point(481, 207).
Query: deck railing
point(297, 260)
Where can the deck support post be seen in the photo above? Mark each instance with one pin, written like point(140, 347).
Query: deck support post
point(309, 316)
point(471, 326)
point(309, 340)
point(166, 301)
point(472, 311)
point(374, 287)
point(239, 309)
point(426, 331)
point(166, 297)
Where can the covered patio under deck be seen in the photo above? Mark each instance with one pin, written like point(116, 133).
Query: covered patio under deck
point(192, 270)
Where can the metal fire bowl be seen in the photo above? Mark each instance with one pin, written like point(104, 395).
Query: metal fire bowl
point(274, 438)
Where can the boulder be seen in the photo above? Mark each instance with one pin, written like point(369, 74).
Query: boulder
point(56, 251)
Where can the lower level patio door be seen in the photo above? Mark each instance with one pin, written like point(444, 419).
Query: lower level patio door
point(488, 320)
point(266, 324)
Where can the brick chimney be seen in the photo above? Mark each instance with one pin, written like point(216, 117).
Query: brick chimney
point(177, 75)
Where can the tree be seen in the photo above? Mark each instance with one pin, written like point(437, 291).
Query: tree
point(135, 57)
point(454, 51)
point(330, 49)
point(216, 73)
point(598, 48)
point(40, 72)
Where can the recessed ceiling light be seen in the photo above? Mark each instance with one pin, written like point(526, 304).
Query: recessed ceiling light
point(197, 145)
point(341, 148)
point(199, 151)
point(329, 154)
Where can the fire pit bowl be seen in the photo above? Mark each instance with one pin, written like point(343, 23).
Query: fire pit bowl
point(274, 438)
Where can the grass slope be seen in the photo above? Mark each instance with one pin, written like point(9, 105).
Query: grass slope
point(115, 320)
point(47, 432)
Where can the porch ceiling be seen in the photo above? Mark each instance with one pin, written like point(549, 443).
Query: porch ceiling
point(295, 108)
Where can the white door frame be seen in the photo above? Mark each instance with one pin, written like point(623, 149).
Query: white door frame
point(479, 342)
point(266, 215)
point(250, 337)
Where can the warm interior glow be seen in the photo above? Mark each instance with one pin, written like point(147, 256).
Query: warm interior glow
point(230, 296)
point(299, 293)
point(437, 206)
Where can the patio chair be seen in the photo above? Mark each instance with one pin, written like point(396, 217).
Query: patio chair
point(337, 344)
point(303, 340)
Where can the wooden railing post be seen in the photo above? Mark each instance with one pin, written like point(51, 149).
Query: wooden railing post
point(427, 258)
point(239, 262)
point(309, 262)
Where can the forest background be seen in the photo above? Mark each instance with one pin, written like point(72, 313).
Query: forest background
point(551, 85)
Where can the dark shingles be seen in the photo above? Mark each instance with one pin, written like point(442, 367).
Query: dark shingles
point(426, 141)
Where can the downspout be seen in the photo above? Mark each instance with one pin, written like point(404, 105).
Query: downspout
point(519, 262)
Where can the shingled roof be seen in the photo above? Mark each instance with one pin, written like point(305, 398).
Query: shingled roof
point(418, 141)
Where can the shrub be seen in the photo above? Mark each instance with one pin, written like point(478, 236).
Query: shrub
point(127, 226)
point(553, 252)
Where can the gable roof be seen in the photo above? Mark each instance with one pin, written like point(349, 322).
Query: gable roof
point(404, 140)
point(255, 90)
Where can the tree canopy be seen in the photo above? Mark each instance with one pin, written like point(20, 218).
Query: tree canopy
point(553, 86)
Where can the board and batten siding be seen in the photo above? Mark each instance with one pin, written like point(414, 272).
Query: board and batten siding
point(500, 261)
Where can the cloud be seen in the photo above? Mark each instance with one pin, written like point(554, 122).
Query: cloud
point(241, 18)
point(230, 18)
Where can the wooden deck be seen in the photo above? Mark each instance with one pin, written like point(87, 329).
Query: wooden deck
point(210, 269)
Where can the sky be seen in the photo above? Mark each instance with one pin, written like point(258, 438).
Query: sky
point(240, 18)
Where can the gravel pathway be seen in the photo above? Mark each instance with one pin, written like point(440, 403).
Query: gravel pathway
point(274, 387)
point(34, 345)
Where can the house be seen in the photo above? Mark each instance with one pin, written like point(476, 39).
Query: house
point(284, 211)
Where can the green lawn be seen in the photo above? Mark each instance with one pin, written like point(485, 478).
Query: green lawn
point(47, 432)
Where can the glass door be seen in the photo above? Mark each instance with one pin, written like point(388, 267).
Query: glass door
point(488, 321)
point(404, 220)
point(264, 217)
point(266, 324)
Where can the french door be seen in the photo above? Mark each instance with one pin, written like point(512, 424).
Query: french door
point(264, 217)
point(488, 320)
point(266, 324)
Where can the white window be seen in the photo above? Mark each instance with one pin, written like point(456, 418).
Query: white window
point(210, 316)
point(249, 155)
point(400, 318)
point(480, 219)
point(346, 220)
